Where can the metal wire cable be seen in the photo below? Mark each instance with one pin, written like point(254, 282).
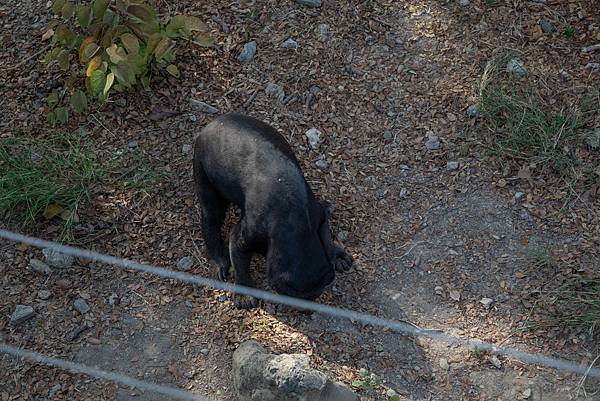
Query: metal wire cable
point(171, 392)
point(402, 327)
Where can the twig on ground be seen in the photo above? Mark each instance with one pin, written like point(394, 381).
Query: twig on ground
point(20, 64)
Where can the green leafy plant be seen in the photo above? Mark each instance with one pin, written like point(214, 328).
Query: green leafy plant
point(368, 383)
point(115, 46)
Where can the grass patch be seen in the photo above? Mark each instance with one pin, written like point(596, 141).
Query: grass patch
point(38, 174)
point(576, 304)
point(520, 123)
point(541, 257)
point(135, 171)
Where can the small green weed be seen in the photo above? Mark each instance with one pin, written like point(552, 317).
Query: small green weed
point(569, 32)
point(42, 177)
point(477, 353)
point(541, 257)
point(368, 383)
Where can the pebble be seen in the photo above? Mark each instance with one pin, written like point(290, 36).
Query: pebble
point(314, 137)
point(113, 299)
point(81, 306)
point(323, 33)
point(387, 135)
point(63, 283)
point(322, 164)
point(433, 142)
point(309, 3)
point(121, 102)
point(547, 26)
point(39, 266)
point(247, 53)
point(452, 166)
point(390, 393)
point(132, 144)
point(204, 351)
point(519, 195)
point(524, 215)
point(526, 394)
point(439, 290)
point(516, 67)
point(473, 111)
point(58, 259)
point(486, 302)
point(496, 362)
point(186, 148)
point(342, 236)
point(444, 364)
point(275, 91)
point(21, 314)
point(193, 118)
point(464, 3)
point(290, 44)
point(44, 295)
point(222, 298)
point(203, 107)
point(185, 263)
point(455, 295)
point(173, 135)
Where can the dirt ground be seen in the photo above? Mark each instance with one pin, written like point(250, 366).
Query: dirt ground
point(376, 78)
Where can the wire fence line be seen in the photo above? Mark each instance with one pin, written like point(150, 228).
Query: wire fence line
point(398, 326)
point(171, 392)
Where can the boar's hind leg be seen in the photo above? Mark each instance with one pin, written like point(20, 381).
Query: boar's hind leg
point(241, 255)
point(214, 208)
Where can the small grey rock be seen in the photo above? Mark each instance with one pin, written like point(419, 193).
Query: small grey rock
point(132, 144)
point(21, 314)
point(121, 102)
point(473, 111)
point(387, 135)
point(452, 166)
point(433, 142)
point(204, 351)
point(291, 373)
point(275, 91)
point(290, 44)
point(519, 195)
point(186, 148)
point(81, 306)
point(309, 3)
point(322, 163)
point(547, 26)
point(342, 236)
point(524, 215)
point(323, 32)
point(222, 298)
point(516, 67)
point(44, 295)
point(464, 3)
point(193, 118)
point(58, 259)
point(314, 137)
point(185, 263)
point(173, 135)
point(444, 364)
point(203, 107)
point(248, 52)
point(39, 266)
point(496, 362)
point(113, 299)
point(486, 302)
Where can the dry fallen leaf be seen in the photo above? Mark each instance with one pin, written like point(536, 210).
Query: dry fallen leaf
point(174, 371)
point(52, 210)
point(48, 34)
point(22, 247)
point(455, 295)
point(520, 274)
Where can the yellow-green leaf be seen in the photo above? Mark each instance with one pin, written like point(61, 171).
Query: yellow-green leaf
point(67, 10)
point(95, 62)
point(131, 43)
point(57, 6)
point(82, 46)
point(142, 12)
point(195, 24)
point(117, 54)
point(110, 79)
point(173, 70)
point(175, 24)
point(79, 102)
point(63, 60)
point(52, 210)
point(97, 82)
point(62, 115)
point(84, 15)
point(90, 51)
point(163, 47)
point(99, 8)
point(204, 39)
point(53, 98)
point(124, 74)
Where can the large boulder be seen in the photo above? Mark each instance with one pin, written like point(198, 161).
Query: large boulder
point(260, 376)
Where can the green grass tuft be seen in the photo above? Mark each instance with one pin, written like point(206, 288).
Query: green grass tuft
point(35, 173)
